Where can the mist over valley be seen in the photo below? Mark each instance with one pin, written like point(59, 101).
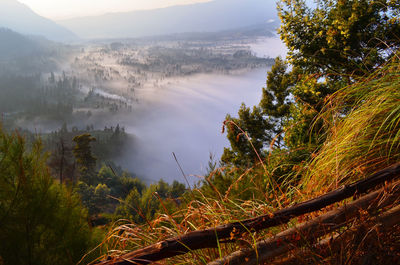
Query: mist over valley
point(168, 90)
point(199, 132)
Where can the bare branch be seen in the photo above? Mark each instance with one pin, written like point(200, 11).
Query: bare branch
point(310, 231)
point(208, 238)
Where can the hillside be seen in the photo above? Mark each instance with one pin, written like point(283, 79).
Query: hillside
point(21, 18)
point(26, 54)
point(212, 16)
point(309, 171)
point(13, 44)
point(314, 231)
point(311, 174)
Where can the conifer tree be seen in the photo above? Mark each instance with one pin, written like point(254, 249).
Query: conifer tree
point(84, 158)
point(41, 222)
point(332, 44)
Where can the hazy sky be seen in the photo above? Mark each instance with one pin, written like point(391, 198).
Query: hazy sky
point(59, 9)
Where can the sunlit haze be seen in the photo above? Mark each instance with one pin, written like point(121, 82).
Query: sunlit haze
point(62, 9)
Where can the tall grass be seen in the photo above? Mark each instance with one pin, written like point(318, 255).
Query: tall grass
point(201, 213)
point(363, 125)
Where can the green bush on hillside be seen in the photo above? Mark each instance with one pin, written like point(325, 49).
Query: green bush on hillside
point(41, 222)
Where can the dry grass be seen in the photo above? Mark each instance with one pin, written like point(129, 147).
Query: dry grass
point(363, 126)
point(363, 123)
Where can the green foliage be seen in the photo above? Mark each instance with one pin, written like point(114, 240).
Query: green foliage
point(101, 196)
point(324, 120)
point(41, 222)
point(363, 125)
point(120, 185)
point(263, 127)
point(254, 130)
point(177, 190)
point(105, 175)
point(87, 196)
point(275, 102)
point(110, 142)
point(101, 193)
point(144, 205)
point(25, 96)
point(84, 157)
point(340, 39)
point(130, 208)
point(61, 162)
point(332, 45)
point(247, 135)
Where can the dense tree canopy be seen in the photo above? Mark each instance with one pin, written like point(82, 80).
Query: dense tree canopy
point(332, 44)
point(143, 204)
point(84, 157)
point(41, 222)
point(340, 39)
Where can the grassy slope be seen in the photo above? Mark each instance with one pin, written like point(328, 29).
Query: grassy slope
point(363, 125)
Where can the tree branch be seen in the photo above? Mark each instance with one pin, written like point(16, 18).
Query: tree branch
point(335, 243)
point(309, 232)
point(208, 238)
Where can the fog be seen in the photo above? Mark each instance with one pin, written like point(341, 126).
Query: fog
point(269, 47)
point(181, 114)
point(185, 118)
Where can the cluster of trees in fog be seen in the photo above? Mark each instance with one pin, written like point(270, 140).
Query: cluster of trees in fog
point(41, 221)
point(51, 206)
point(331, 46)
point(83, 160)
point(26, 96)
point(58, 188)
point(188, 60)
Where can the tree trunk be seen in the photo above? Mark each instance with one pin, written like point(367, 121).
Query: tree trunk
point(309, 232)
point(209, 238)
point(334, 244)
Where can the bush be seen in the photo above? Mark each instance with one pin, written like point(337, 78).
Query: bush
point(41, 222)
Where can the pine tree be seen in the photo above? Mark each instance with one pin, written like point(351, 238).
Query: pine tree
point(41, 222)
point(84, 158)
point(330, 46)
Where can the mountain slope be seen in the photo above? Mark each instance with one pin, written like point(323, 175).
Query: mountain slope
point(21, 54)
point(212, 16)
point(14, 45)
point(20, 18)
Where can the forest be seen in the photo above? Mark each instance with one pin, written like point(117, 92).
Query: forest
point(327, 126)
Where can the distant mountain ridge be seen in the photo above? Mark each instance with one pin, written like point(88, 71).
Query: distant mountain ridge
point(20, 18)
point(218, 15)
point(265, 30)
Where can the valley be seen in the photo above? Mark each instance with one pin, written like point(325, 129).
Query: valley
point(151, 87)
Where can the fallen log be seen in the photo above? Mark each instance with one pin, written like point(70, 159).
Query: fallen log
point(211, 238)
point(385, 222)
point(310, 231)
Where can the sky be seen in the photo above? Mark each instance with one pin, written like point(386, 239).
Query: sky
point(63, 9)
